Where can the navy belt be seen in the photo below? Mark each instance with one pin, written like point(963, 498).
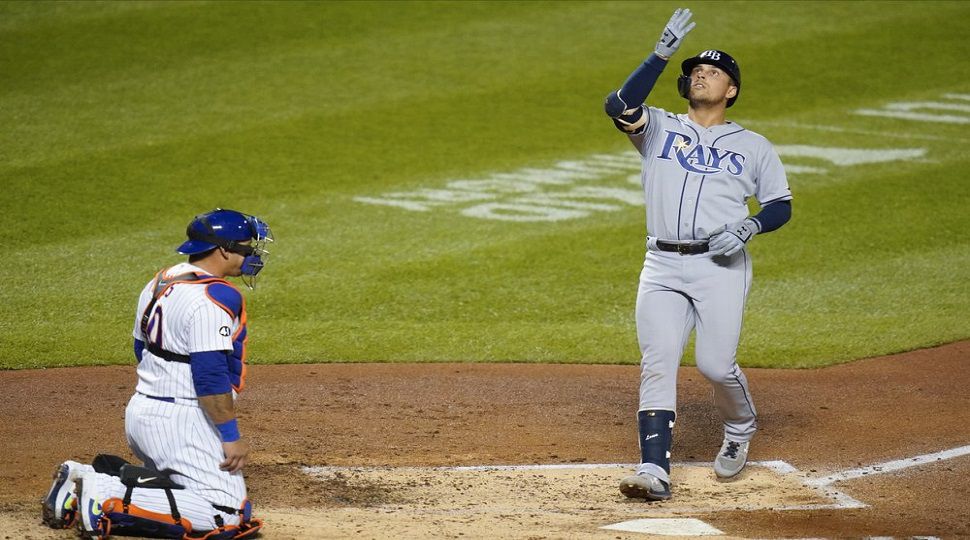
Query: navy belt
point(693, 248)
point(165, 399)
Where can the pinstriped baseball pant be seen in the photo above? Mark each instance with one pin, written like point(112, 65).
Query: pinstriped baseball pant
point(682, 293)
point(179, 437)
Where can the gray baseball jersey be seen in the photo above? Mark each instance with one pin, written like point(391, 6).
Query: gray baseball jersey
point(697, 179)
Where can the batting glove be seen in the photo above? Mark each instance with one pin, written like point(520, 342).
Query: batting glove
point(730, 238)
point(674, 33)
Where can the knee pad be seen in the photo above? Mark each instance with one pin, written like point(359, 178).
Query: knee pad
point(142, 477)
point(108, 464)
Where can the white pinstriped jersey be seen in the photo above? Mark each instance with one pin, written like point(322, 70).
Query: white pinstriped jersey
point(184, 320)
point(696, 179)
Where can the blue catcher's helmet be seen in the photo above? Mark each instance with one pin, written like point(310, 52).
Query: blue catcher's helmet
point(228, 229)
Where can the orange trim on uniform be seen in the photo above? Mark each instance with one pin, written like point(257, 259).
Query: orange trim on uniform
point(242, 316)
point(254, 526)
point(118, 506)
point(242, 355)
point(203, 281)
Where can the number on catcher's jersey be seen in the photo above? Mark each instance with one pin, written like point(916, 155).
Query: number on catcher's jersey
point(154, 327)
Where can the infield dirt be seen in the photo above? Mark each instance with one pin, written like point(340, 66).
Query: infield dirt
point(362, 419)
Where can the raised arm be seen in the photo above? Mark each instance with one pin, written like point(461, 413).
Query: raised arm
point(624, 106)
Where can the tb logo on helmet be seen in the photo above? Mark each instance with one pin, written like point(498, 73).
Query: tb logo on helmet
point(712, 57)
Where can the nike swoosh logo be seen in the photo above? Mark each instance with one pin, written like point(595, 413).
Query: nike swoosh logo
point(652, 435)
point(143, 480)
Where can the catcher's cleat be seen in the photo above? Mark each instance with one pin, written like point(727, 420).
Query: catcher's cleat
point(91, 523)
point(645, 486)
point(730, 459)
point(59, 507)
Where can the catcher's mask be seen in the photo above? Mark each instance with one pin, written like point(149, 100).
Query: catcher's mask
point(712, 57)
point(228, 229)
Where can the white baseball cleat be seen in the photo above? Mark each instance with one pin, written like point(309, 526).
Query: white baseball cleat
point(645, 486)
point(59, 507)
point(89, 525)
point(730, 459)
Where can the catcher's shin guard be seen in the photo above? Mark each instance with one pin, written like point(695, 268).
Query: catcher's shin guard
point(121, 517)
point(656, 436)
point(130, 520)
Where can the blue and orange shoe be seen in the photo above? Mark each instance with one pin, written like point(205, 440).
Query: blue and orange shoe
point(59, 507)
point(91, 524)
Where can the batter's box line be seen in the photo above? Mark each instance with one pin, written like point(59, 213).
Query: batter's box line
point(839, 500)
point(821, 485)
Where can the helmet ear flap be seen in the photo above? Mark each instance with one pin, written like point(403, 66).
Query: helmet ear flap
point(683, 85)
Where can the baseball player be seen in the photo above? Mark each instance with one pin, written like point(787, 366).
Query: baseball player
point(699, 171)
point(190, 344)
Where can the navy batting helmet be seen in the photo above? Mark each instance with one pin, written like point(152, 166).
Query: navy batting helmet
point(712, 57)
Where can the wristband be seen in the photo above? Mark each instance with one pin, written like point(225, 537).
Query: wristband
point(229, 431)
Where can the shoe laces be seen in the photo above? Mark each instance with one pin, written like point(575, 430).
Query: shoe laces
point(732, 450)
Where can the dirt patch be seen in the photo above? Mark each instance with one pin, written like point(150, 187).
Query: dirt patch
point(420, 415)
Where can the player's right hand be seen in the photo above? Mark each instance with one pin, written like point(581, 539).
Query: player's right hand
point(674, 33)
point(237, 453)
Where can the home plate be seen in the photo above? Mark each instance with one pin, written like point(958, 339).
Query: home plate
point(666, 527)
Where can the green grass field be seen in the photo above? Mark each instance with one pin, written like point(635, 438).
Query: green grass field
point(121, 121)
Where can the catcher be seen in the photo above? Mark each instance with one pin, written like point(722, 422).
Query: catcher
point(190, 344)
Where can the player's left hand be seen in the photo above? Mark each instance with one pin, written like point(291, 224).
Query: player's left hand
point(728, 239)
point(236, 453)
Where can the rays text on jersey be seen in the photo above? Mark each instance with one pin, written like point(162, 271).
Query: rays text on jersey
point(700, 159)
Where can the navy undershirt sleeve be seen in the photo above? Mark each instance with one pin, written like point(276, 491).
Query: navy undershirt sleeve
point(774, 215)
point(139, 347)
point(210, 372)
point(638, 86)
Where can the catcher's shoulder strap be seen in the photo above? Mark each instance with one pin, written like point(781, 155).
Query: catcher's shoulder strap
point(159, 287)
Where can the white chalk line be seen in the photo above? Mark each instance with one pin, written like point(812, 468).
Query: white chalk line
point(839, 129)
point(821, 485)
point(890, 466)
point(839, 499)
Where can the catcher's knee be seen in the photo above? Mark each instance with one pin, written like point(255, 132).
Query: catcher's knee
point(109, 464)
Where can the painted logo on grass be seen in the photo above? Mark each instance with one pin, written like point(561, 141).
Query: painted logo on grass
point(580, 188)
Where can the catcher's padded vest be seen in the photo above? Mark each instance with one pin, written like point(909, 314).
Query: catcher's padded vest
point(223, 294)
